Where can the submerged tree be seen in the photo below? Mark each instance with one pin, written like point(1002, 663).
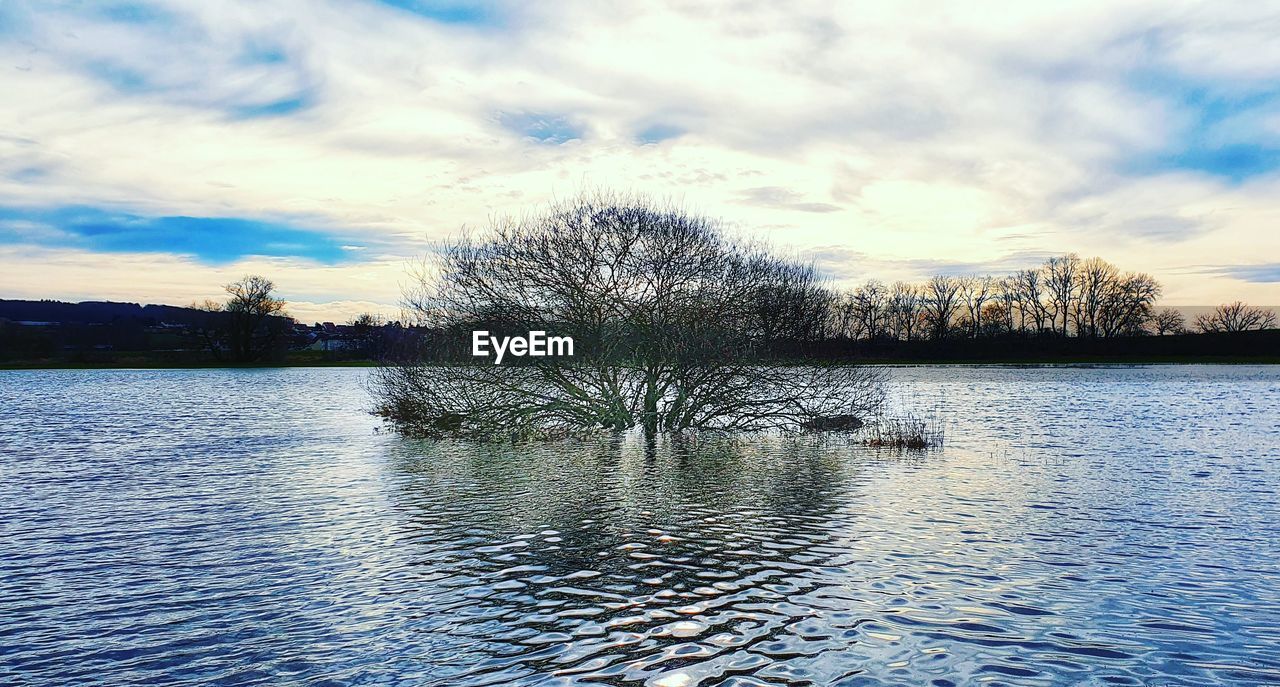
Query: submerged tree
point(676, 326)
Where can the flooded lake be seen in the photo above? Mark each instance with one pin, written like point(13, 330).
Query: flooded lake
point(1099, 526)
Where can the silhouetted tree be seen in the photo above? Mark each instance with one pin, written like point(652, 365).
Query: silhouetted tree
point(975, 291)
point(905, 301)
point(790, 306)
point(250, 325)
point(1128, 304)
point(941, 303)
point(1030, 299)
point(1236, 317)
point(994, 320)
point(1168, 321)
point(1066, 296)
point(870, 309)
point(1006, 302)
point(1061, 278)
point(1097, 282)
point(257, 323)
point(367, 334)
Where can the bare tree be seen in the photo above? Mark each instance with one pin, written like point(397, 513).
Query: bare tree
point(251, 305)
point(791, 306)
point(1061, 279)
point(249, 324)
point(1096, 283)
point(1127, 305)
point(1065, 296)
point(1108, 303)
point(976, 291)
point(1236, 317)
point(1006, 297)
point(994, 321)
point(905, 302)
point(367, 330)
point(870, 309)
point(212, 326)
point(673, 324)
point(1031, 294)
point(1168, 321)
point(941, 303)
point(844, 323)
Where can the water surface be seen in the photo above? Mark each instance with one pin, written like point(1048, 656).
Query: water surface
point(1082, 526)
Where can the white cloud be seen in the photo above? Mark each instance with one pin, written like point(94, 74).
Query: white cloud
point(904, 131)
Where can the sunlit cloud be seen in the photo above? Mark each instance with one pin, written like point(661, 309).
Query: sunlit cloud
point(783, 198)
point(1268, 273)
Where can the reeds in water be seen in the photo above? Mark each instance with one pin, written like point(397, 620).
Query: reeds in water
point(909, 432)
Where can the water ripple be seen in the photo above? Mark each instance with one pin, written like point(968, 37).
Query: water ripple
point(253, 527)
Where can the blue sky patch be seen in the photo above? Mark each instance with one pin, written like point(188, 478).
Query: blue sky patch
point(544, 128)
point(256, 52)
point(123, 79)
point(1257, 274)
point(134, 13)
point(129, 81)
point(268, 78)
point(1236, 162)
point(214, 240)
point(278, 108)
point(447, 12)
point(1222, 131)
point(657, 133)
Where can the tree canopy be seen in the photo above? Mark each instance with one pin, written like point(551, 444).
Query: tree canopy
point(677, 326)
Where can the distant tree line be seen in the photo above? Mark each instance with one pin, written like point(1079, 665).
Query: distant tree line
point(1235, 317)
point(1067, 296)
point(249, 326)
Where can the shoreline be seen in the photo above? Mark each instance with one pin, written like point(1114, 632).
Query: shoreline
point(1071, 361)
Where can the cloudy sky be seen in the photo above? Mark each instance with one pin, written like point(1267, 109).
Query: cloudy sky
point(153, 151)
